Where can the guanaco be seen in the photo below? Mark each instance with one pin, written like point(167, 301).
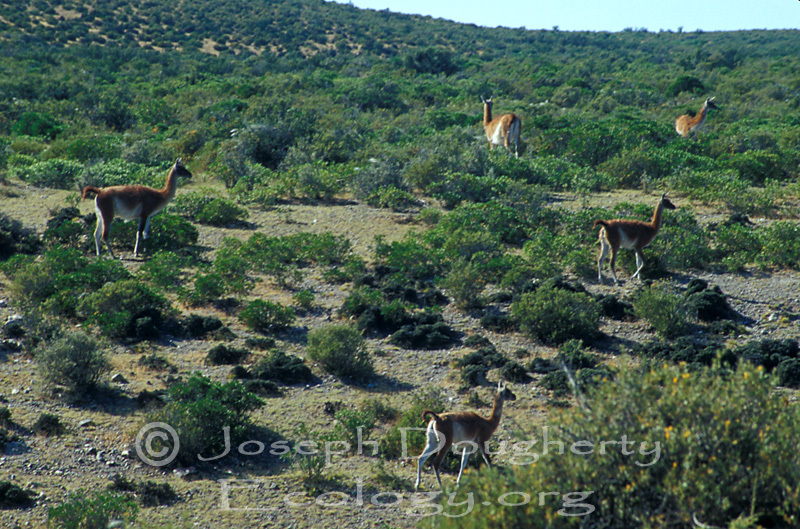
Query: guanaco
point(464, 428)
point(687, 124)
point(132, 202)
point(634, 234)
point(501, 130)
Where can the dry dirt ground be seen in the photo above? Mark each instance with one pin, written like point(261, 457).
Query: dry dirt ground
point(250, 491)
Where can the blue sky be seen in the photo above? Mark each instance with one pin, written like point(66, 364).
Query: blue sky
point(604, 15)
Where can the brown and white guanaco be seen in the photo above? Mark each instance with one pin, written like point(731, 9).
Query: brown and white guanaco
point(687, 124)
point(624, 233)
point(132, 202)
point(463, 430)
point(501, 130)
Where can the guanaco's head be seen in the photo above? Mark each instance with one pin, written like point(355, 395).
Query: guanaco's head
point(504, 392)
point(710, 104)
point(666, 203)
point(180, 169)
point(487, 101)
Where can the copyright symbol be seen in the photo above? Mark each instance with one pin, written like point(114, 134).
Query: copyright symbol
point(148, 453)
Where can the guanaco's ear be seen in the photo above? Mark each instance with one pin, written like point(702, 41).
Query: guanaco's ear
point(179, 161)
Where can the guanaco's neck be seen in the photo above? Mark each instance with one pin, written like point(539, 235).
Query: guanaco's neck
point(487, 113)
point(657, 215)
point(172, 183)
point(497, 411)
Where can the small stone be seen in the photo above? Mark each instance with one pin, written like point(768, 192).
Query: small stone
point(86, 423)
point(118, 378)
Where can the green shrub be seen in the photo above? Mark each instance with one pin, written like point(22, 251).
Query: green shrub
point(55, 173)
point(663, 308)
point(14, 238)
point(465, 284)
point(341, 351)
point(428, 332)
point(207, 208)
point(54, 282)
point(73, 360)
point(125, 309)
point(48, 425)
point(198, 409)
point(37, 124)
point(685, 83)
point(409, 257)
point(222, 354)
point(164, 270)
point(736, 246)
point(304, 299)
point(684, 349)
point(278, 366)
point(12, 496)
point(95, 512)
point(353, 427)
point(554, 315)
point(149, 493)
point(704, 441)
point(266, 316)
point(781, 246)
point(207, 287)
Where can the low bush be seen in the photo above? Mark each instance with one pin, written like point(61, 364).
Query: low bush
point(708, 303)
point(663, 308)
point(58, 278)
point(266, 316)
point(207, 287)
point(48, 425)
point(428, 332)
point(73, 360)
point(125, 309)
point(12, 496)
point(341, 351)
point(15, 238)
point(781, 246)
point(164, 269)
point(198, 326)
point(353, 427)
point(37, 124)
point(706, 442)
point(206, 207)
point(97, 511)
point(279, 366)
point(149, 493)
point(683, 349)
point(55, 173)
point(198, 409)
point(222, 354)
point(554, 315)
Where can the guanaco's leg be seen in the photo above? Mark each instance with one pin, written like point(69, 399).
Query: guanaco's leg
point(639, 262)
point(433, 445)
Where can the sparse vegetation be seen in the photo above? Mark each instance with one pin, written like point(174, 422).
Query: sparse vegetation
point(348, 218)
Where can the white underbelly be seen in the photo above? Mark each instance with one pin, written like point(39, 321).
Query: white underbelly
point(124, 212)
point(625, 241)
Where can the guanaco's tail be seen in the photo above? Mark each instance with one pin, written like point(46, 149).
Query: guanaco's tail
point(90, 189)
point(433, 414)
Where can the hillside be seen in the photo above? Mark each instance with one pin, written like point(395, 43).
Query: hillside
point(348, 252)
